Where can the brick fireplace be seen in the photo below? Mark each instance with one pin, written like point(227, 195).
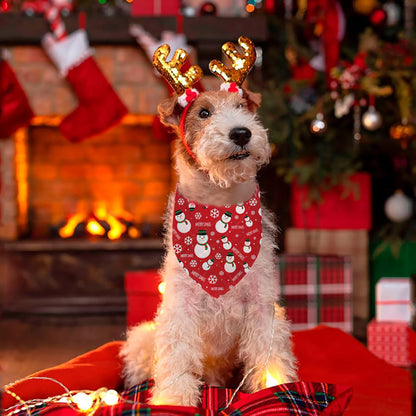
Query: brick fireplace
point(46, 179)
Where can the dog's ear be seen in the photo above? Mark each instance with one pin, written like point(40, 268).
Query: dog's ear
point(170, 111)
point(253, 100)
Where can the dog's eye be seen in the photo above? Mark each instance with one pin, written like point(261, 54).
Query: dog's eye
point(240, 105)
point(204, 113)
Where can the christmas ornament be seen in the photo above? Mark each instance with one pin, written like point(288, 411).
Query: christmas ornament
point(378, 16)
point(216, 245)
point(371, 119)
point(393, 13)
point(365, 6)
point(398, 207)
point(318, 124)
point(99, 107)
point(15, 110)
point(404, 132)
point(208, 9)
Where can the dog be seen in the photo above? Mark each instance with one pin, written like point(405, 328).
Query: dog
point(211, 328)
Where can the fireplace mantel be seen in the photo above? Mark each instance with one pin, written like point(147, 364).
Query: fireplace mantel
point(17, 29)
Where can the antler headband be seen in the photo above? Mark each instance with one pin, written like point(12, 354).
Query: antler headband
point(182, 83)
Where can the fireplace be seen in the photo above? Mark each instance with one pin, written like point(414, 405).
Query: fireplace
point(75, 217)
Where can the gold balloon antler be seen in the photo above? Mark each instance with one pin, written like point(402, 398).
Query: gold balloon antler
point(171, 70)
point(241, 62)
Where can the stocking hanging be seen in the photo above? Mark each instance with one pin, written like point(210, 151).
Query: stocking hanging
point(15, 110)
point(99, 106)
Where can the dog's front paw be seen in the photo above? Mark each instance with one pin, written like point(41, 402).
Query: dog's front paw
point(183, 391)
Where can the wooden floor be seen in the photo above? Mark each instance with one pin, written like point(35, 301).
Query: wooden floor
point(30, 345)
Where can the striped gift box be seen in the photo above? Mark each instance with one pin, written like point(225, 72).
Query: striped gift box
point(316, 290)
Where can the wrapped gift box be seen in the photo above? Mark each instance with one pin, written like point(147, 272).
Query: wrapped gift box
point(394, 342)
point(340, 208)
point(155, 8)
point(351, 243)
point(143, 296)
point(385, 263)
point(394, 300)
point(316, 290)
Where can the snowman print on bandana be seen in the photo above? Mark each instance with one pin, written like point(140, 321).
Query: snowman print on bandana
point(222, 225)
point(183, 225)
point(219, 245)
point(229, 265)
point(202, 249)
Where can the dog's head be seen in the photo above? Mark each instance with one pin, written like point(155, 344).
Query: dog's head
point(219, 131)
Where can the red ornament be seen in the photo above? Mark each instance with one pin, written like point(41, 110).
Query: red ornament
point(208, 8)
point(378, 17)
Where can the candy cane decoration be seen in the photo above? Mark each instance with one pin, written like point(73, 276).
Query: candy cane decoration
point(53, 16)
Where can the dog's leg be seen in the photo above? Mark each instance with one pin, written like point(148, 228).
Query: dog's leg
point(265, 348)
point(178, 357)
point(137, 354)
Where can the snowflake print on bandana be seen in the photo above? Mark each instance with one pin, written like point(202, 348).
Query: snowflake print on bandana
point(221, 245)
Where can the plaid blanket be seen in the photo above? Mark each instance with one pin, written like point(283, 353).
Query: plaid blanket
point(299, 399)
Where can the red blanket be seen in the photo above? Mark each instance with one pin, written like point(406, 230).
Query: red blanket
point(325, 354)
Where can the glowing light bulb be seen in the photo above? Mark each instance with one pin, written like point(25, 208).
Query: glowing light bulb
point(110, 397)
point(272, 380)
point(162, 287)
point(83, 400)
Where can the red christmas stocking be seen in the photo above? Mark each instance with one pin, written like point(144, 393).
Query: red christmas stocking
point(15, 110)
point(99, 106)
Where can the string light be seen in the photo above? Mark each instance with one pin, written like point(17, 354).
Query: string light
point(85, 401)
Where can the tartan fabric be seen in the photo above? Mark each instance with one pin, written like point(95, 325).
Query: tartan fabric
point(316, 290)
point(301, 398)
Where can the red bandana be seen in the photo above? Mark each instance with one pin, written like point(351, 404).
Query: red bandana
point(216, 246)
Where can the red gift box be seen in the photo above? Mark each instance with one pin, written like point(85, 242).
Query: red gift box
point(394, 342)
point(316, 290)
point(334, 211)
point(155, 8)
point(143, 296)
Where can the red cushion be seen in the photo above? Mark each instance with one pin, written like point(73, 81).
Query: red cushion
point(325, 354)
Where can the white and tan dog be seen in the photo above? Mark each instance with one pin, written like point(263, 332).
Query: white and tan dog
point(199, 336)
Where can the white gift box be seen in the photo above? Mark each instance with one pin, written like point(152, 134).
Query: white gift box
point(394, 300)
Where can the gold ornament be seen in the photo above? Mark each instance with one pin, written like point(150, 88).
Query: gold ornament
point(404, 132)
point(241, 62)
point(365, 6)
point(178, 80)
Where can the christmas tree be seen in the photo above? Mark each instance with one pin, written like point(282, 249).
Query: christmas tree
point(339, 98)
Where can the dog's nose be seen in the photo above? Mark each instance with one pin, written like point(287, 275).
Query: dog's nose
point(240, 135)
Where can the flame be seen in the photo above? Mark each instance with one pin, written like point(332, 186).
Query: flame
point(68, 229)
point(101, 214)
point(95, 228)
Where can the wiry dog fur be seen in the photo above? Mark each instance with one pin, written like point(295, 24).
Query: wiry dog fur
point(196, 338)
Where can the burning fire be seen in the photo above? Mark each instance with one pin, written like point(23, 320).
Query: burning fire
point(101, 222)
